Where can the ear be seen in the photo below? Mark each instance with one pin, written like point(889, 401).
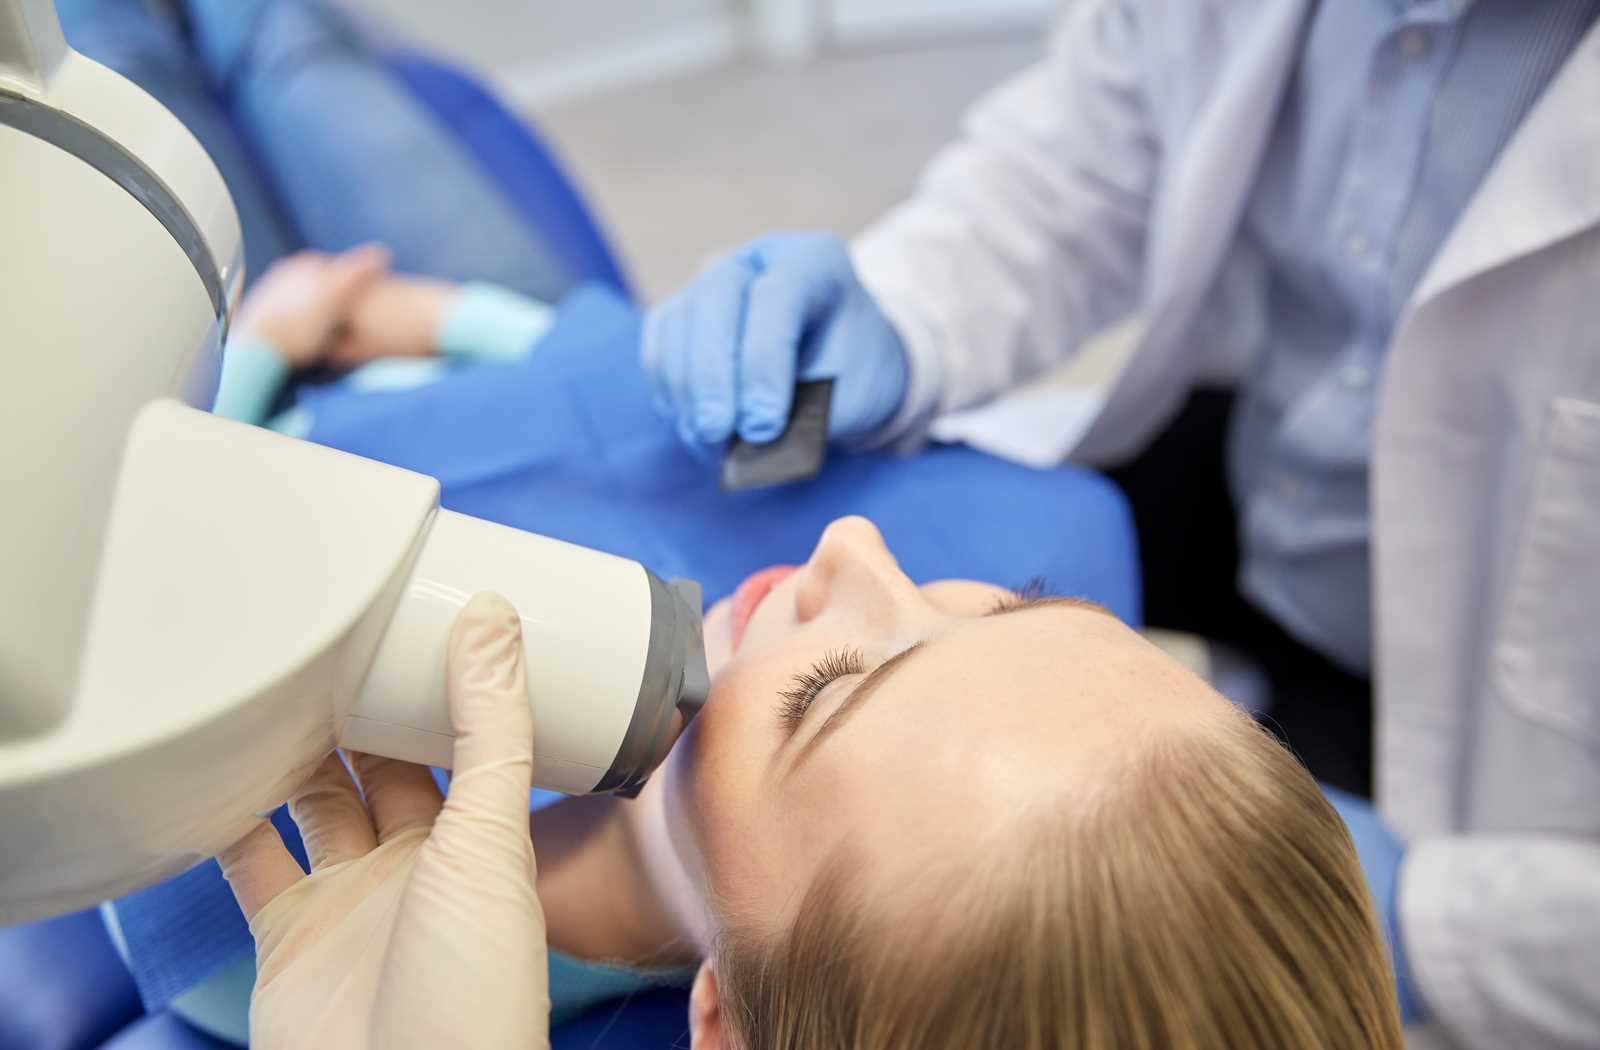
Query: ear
point(705, 1012)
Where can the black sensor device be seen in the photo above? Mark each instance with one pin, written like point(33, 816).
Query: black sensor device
point(796, 454)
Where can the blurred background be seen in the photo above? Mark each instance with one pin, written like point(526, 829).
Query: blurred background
point(693, 125)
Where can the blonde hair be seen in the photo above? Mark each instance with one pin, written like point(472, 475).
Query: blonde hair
point(1207, 897)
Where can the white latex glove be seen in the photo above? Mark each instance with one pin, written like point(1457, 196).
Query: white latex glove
point(419, 925)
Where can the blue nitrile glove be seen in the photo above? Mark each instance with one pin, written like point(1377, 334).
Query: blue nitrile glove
point(1381, 853)
point(724, 353)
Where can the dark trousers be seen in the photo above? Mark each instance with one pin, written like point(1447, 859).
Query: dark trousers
point(1189, 553)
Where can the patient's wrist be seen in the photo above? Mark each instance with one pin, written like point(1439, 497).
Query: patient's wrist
point(253, 373)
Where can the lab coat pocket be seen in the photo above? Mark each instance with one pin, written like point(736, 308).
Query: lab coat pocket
point(1547, 655)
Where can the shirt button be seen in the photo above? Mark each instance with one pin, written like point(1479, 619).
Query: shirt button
point(1357, 245)
point(1414, 42)
point(1288, 488)
point(1355, 377)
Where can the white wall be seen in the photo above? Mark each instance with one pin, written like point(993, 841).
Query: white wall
point(539, 51)
point(867, 22)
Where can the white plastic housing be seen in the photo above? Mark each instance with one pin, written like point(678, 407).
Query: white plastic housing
point(585, 625)
point(245, 582)
point(101, 312)
point(260, 599)
point(191, 607)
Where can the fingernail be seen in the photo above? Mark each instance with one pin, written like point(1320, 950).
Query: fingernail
point(759, 431)
point(708, 425)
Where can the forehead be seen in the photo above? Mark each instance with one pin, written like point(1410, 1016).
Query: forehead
point(992, 717)
point(1034, 656)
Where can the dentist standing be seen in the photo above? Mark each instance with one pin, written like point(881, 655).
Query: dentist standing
point(1394, 205)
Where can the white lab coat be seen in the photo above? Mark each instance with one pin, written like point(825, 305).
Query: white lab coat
point(1106, 184)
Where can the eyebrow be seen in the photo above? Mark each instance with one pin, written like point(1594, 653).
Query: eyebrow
point(881, 674)
point(1086, 604)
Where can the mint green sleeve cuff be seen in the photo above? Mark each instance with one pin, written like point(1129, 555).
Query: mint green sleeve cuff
point(576, 985)
point(489, 323)
point(253, 372)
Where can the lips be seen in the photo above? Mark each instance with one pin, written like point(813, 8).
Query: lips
point(749, 596)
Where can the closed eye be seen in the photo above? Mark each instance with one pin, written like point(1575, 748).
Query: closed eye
point(806, 686)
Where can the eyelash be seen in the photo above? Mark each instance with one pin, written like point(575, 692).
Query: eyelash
point(808, 685)
point(1027, 594)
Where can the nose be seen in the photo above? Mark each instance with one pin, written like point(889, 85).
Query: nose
point(853, 569)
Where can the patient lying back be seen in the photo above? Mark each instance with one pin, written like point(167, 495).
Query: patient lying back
point(950, 816)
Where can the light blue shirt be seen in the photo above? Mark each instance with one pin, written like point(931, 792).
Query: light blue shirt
point(1396, 113)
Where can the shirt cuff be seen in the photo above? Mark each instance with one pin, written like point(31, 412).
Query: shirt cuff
point(575, 984)
point(1432, 903)
point(253, 373)
point(907, 430)
point(489, 323)
point(1411, 1007)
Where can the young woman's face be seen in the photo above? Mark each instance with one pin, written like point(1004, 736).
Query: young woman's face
point(851, 707)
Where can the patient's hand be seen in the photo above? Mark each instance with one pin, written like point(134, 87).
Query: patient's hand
point(395, 317)
point(301, 304)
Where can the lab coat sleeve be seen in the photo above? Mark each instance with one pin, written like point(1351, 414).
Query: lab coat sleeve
point(1026, 235)
point(1502, 934)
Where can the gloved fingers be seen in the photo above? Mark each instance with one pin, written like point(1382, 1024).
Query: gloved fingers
point(487, 688)
point(813, 258)
point(333, 821)
point(400, 795)
point(716, 321)
point(680, 377)
point(259, 867)
point(783, 306)
point(663, 339)
point(668, 359)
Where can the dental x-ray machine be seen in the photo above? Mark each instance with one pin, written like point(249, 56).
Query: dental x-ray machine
point(193, 612)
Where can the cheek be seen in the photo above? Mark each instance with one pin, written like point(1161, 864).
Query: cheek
point(718, 636)
point(716, 781)
point(732, 737)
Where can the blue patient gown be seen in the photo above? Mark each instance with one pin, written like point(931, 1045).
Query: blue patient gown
point(565, 442)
